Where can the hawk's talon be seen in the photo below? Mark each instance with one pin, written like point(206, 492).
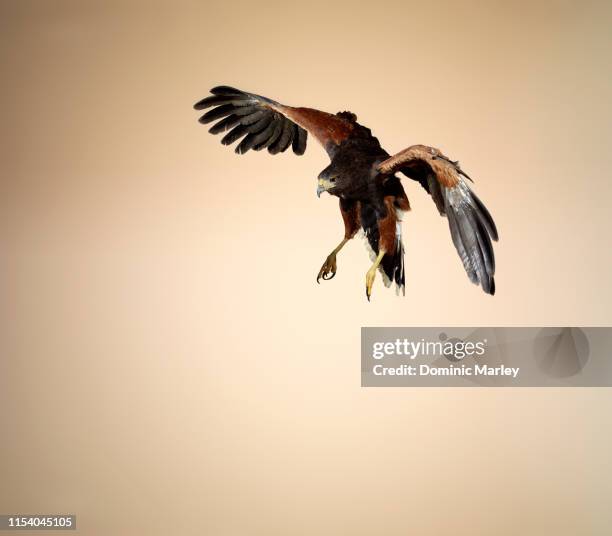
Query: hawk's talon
point(328, 270)
point(371, 274)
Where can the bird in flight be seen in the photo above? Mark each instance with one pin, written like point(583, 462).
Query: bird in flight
point(363, 176)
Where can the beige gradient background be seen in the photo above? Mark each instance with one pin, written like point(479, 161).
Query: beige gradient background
point(168, 364)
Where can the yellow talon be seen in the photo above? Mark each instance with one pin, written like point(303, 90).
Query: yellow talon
point(371, 274)
point(328, 270)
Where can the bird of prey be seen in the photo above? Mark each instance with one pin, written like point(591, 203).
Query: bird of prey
point(363, 176)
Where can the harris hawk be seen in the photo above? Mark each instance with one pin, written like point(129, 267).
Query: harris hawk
point(363, 176)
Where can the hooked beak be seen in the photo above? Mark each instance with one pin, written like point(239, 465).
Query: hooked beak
point(320, 188)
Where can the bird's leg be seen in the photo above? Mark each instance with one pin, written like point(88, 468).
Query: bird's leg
point(371, 274)
point(328, 270)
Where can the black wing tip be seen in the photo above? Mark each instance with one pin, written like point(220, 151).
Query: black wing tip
point(299, 152)
point(472, 238)
point(216, 92)
point(300, 138)
point(493, 230)
point(485, 217)
point(226, 90)
point(487, 285)
point(243, 113)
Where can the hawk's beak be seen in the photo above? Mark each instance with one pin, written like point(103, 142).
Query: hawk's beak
point(320, 188)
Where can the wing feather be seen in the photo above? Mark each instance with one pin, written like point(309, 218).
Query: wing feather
point(264, 136)
point(225, 124)
point(471, 226)
point(282, 138)
point(299, 140)
point(260, 121)
point(237, 109)
point(234, 134)
point(218, 100)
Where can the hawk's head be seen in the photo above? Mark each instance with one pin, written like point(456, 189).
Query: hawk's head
point(327, 180)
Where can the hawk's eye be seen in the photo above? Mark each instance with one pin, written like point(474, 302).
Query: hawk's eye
point(333, 179)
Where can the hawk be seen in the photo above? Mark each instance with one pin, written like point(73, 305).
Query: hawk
point(363, 176)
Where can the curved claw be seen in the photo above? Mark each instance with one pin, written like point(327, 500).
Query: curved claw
point(370, 276)
point(371, 273)
point(328, 270)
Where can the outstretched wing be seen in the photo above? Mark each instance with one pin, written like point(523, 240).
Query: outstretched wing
point(471, 225)
point(263, 123)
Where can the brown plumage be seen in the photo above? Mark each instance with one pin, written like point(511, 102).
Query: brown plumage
point(328, 129)
point(350, 211)
point(362, 174)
